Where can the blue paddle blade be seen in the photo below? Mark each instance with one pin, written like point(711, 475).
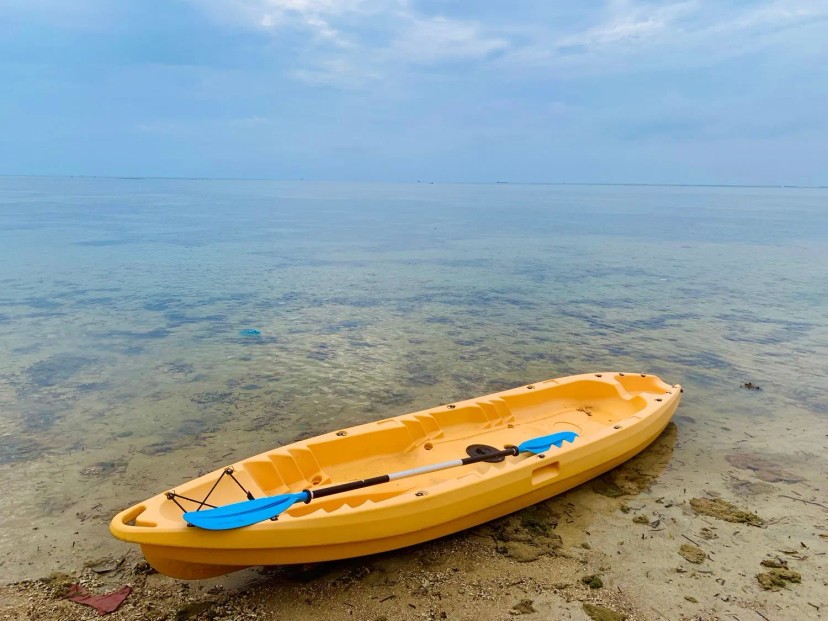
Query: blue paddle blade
point(544, 443)
point(244, 513)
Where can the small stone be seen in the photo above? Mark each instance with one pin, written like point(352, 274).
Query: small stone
point(593, 582)
point(521, 552)
point(599, 613)
point(692, 599)
point(58, 583)
point(775, 563)
point(586, 546)
point(192, 610)
point(641, 519)
point(524, 607)
point(142, 568)
point(105, 565)
point(606, 488)
point(692, 553)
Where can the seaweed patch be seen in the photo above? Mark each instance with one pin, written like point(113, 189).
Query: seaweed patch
point(56, 369)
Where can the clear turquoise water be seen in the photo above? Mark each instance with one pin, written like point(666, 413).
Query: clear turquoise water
point(123, 370)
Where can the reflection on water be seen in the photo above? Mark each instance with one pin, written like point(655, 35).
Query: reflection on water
point(124, 366)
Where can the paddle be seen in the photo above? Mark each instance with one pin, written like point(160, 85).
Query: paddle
point(250, 512)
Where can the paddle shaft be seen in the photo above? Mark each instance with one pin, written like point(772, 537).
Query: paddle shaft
point(249, 512)
point(404, 474)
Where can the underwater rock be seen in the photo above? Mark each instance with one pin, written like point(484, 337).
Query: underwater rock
point(160, 448)
point(524, 607)
point(750, 488)
point(105, 565)
point(14, 449)
point(389, 398)
point(193, 610)
point(599, 613)
point(520, 551)
point(176, 368)
point(208, 398)
point(593, 582)
point(606, 487)
point(638, 474)
point(763, 468)
point(527, 535)
point(418, 375)
point(322, 352)
point(103, 469)
point(723, 510)
point(40, 417)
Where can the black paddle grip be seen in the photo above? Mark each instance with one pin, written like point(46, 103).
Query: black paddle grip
point(347, 487)
point(507, 452)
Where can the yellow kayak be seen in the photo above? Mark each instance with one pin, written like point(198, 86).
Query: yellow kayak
point(403, 480)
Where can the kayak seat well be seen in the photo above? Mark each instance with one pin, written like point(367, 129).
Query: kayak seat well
point(587, 405)
point(349, 457)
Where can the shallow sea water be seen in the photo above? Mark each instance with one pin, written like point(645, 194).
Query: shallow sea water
point(123, 368)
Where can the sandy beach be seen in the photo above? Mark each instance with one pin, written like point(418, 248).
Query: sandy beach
point(649, 540)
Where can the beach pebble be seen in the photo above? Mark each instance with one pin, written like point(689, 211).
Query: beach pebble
point(599, 613)
point(523, 607)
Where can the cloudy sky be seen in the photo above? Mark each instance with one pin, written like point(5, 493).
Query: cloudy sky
point(697, 91)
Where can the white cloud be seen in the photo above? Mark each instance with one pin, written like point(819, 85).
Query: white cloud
point(340, 52)
point(437, 39)
point(336, 72)
point(315, 15)
point(626, 23)
point(627, 36)
point(354, 43)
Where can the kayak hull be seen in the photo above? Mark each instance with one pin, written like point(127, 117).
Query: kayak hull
point(616, 415)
